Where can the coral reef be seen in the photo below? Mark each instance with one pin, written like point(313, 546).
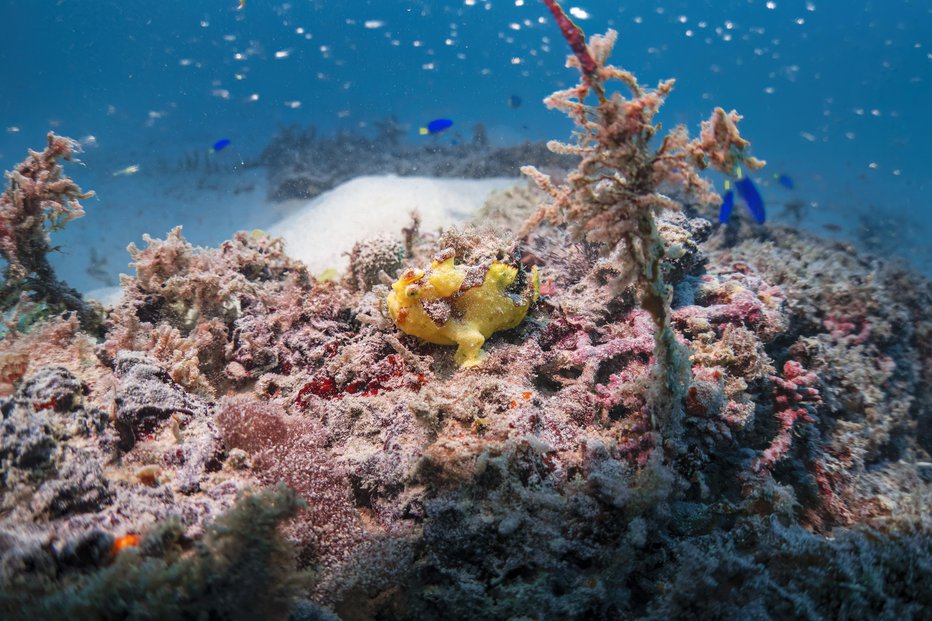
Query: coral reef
point(245, 441)
point(532, 482)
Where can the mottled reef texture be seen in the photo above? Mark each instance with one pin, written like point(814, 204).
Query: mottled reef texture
point(691, 423)
point(527, 486)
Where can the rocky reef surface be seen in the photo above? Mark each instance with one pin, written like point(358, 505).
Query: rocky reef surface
point(690, 421)
point(146, 463)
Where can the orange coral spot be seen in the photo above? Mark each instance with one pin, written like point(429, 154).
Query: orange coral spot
point(513, 404)
point(526, 395)
point(126, 541)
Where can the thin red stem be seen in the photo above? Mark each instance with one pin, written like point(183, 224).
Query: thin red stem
point(575, 37)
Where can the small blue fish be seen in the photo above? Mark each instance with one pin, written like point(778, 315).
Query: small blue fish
point(748, 193)
point(728, 203)
point(514, 101)
point(221, 144)
point(436, 126)
point(752, 198)
point(785, 181)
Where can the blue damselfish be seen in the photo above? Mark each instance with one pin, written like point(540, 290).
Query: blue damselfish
point(752, 198)
point(785, 180)
point(748, 193)
point(728, 203)
point(436, 126)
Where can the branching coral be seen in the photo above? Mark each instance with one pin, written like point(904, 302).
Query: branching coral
point(38, 200)
point(615, 194)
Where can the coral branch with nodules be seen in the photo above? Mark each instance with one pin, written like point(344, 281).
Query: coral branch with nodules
point(794, 395)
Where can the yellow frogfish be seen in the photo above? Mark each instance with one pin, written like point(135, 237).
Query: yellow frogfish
point(462, 305)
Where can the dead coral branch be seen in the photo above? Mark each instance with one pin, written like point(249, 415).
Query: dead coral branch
point(621, 185)
point(38, 200)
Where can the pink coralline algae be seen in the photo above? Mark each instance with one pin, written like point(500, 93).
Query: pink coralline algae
point(846, 330)
point(795, 396)
point(735, 295)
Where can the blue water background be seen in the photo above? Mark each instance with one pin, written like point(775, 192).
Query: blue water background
point(836, 94)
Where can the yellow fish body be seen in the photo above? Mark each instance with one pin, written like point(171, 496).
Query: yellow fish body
point(458, 305)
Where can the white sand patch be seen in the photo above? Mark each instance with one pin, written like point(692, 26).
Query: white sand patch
point(323, 230)
point(107, 296)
